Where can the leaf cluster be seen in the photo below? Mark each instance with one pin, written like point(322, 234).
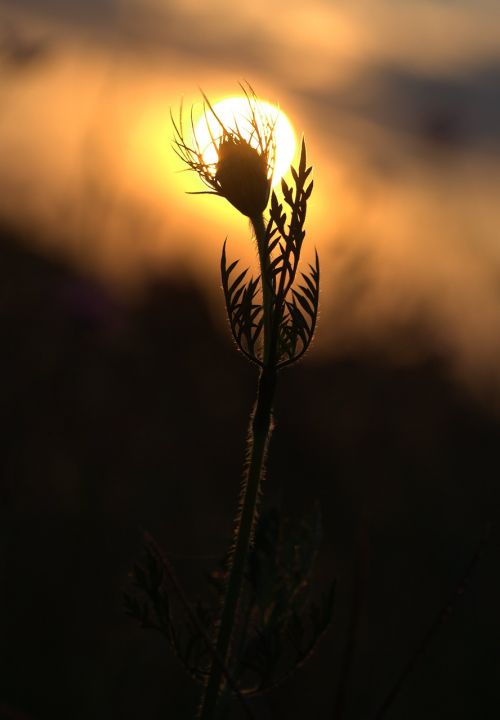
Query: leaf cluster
point(152, 600)
point(294, 295)
point(284, 623)
point(279, 624)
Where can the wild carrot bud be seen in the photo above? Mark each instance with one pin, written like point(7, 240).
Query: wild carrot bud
point(244, 166)
point(242, 175)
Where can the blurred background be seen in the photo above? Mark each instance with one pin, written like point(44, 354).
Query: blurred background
point(124, 405)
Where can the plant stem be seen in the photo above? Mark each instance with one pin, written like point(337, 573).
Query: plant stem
point(259, 435)
point(267, 293)
point(260, 431)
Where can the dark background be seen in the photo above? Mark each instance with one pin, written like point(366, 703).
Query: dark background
point(121, 416)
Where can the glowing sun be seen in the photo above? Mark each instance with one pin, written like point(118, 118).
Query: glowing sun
point(233, 112)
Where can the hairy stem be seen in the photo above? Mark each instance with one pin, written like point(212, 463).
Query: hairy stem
point(259, 435)
point(267, 293)
point(260, 431)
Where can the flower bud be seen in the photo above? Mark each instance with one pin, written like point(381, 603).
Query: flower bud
point(242, 175)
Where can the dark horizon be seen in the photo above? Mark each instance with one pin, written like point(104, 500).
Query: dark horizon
point(102, 411)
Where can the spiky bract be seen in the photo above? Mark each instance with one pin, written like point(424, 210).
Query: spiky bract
point(245, 161)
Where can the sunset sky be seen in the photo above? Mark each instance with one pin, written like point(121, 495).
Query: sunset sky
point(125, 404)
point(400, 107)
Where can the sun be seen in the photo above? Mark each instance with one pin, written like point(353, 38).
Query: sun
point(232, 112)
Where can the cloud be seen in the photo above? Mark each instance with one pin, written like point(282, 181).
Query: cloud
point(92, 11)
point(463, 110)
point(307, 42)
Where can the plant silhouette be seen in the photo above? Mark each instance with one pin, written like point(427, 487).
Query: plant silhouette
point(262, 624)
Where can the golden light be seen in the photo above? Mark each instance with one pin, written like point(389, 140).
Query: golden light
point(232, 112)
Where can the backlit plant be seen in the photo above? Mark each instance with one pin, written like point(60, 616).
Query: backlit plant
point(262, 624)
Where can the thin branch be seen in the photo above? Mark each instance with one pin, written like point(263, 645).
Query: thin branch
point(441, 617)
point(360, 578)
